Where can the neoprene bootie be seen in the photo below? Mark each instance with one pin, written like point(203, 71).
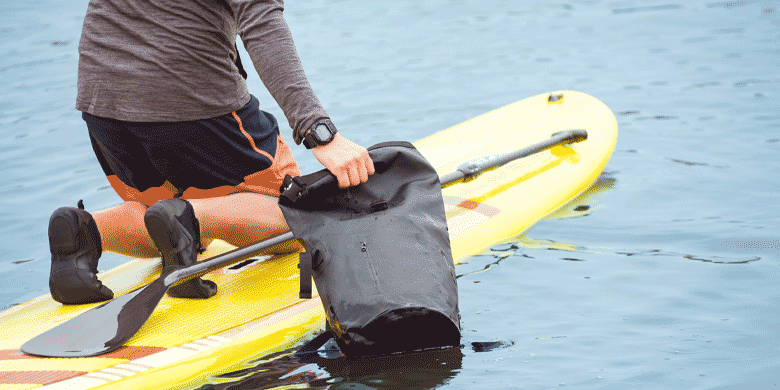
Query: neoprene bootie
point(74, 241)
point(176, 233)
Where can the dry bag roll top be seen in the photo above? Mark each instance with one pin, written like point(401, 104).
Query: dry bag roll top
point(379, 254)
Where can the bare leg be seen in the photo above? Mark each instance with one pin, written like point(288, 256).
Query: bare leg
point(122, 230)
point(240, 219)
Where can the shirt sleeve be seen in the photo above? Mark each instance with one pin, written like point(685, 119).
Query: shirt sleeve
point(268, 40)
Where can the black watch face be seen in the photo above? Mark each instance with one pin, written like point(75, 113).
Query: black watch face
point(322, 133)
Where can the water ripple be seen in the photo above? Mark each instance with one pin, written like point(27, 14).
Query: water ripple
point(646, 9)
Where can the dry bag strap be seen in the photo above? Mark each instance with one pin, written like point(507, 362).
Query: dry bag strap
point(304, 263)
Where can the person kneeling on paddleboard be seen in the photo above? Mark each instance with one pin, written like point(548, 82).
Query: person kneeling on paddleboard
point(182, 141)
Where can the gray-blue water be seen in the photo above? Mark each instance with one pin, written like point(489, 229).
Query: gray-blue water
point(670, 280)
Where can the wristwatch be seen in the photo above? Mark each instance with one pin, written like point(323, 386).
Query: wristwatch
point(321, 133)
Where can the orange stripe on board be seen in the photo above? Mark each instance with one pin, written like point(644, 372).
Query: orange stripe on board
point(37, 377)
point(249, 137)
point(126, 353)
point(132, 352)
point(468, 204)
point(486, 210)
point(14, 354)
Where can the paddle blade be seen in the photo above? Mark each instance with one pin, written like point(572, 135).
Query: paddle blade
point(101, 329)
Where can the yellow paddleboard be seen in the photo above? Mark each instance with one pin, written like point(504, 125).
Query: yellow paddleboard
point(257, 311)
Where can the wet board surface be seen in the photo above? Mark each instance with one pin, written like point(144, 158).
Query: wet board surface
point(257, 310)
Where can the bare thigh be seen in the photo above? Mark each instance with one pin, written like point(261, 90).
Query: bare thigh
point(243, 219)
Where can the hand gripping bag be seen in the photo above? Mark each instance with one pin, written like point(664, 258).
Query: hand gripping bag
point(379, 254)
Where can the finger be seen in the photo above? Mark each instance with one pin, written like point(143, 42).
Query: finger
point(363, 172)
point(354, 176)
point(343, 178)
point(369, 164)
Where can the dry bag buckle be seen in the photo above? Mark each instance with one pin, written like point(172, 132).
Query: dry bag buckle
point(292, 188)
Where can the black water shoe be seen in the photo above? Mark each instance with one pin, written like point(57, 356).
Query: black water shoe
point(176, 233)
point(74, 241)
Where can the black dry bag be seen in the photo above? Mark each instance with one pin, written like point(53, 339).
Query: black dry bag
point(379, 254)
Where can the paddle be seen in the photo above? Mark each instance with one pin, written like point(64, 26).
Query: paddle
point(108, 326)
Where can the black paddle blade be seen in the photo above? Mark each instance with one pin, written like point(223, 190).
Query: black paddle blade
point(101, 329)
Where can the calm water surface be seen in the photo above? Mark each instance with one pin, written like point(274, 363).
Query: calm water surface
point(668, 277)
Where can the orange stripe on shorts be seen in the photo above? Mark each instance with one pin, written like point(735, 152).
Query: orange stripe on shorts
point(249, 137)
point(148, 197)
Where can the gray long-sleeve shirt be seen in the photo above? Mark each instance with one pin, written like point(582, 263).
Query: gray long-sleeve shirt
point(174, 60)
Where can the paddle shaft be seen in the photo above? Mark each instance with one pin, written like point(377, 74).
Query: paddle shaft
point(225, 259)
point(467, 171)
point(470, 170)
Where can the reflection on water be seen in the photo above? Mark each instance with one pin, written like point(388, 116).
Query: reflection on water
point(504, 250)
point(320, 370)
point(328, 368)
point(580, 206)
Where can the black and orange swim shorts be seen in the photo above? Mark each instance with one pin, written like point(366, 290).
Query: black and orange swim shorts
point(152, 161)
